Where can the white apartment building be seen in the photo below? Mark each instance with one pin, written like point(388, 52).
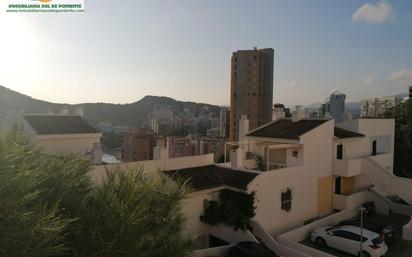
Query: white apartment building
point(377, 107)
point(58, 134)
point(315, 173)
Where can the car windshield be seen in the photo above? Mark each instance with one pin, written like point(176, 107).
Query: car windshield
point(377, 241)
point(332, 228)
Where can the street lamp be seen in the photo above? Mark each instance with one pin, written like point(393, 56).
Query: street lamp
point(362, 210)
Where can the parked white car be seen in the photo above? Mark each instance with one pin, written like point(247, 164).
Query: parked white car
point(347, 239)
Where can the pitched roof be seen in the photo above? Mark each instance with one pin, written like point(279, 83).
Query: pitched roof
point(287, 129)
point(210, 176)
point(343, 133)
point(59, 124)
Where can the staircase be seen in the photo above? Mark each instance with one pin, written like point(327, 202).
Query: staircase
point(386, 183)
point(394, 207)
point(266, 239)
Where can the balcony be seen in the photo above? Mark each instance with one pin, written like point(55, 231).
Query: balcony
point(347, 168)
point(342, 202)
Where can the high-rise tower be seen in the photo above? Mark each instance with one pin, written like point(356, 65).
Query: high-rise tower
point(251, 91)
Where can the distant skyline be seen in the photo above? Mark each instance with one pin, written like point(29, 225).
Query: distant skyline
point(118, 53)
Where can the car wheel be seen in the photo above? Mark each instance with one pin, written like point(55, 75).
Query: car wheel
point(364, 254)
point(320, 242)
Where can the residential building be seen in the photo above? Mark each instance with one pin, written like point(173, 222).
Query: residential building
point(58, 134)
point(213, 132)
point(315, 173)
point(161, 121)
point(106, 126)
point(139, 145)
point(306, 160)
point(225, 122)
point(377, 107)
point(182, 146)
point(251, 90)
point(333, 107)
point(215, 145)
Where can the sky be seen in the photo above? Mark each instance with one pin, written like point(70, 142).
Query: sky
point(120, 51)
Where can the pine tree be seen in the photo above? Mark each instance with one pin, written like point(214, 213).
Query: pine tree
point(50, 207)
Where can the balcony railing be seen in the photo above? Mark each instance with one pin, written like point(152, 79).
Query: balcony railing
point(275, 165)
point(347, 168)
point(341, 202)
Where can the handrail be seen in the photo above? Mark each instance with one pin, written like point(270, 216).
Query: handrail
point(266, 239)
point(382, 170)
point(395, 207)
point(402, 186)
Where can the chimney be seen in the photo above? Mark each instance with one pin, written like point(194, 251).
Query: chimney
point(298, 114)
point(96, 153)
point(236, 156)
point(243, 127)
point(278, 111)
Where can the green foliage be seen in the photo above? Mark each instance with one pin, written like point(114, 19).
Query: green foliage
point(28, 226)
point(221, 159)
point(403, 138)
point(260, 161)
point(132, 114)
point(234, 209)
point(50, 207)
point(133, 213)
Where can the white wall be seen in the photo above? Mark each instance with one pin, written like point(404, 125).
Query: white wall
point(292, 161)
point(98, 172)
point(303, 232)
point(221, 251)
point(302, 180)
point(193, 208)
point(12, 119)
point(372, 129)
point(65, 144)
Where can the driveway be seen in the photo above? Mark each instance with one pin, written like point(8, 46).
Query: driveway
point(399, 248)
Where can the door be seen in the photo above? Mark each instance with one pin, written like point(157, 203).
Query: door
point(339, 152)
point(342, 241)
point(325, 194)
point(374, 146)
point(338, 185)
point(334, 240)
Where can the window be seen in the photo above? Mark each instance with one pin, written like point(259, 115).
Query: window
point(348, 235)
point(339, 152)
point(286, 199)
point(374, 147)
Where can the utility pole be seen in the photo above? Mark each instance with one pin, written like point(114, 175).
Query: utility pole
point(362, 210)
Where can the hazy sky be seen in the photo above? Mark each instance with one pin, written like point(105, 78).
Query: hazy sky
point(120, 51)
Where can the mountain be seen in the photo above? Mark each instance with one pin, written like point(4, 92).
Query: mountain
point(132, 114)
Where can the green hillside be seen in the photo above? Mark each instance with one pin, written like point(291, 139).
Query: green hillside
point(132, 114)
